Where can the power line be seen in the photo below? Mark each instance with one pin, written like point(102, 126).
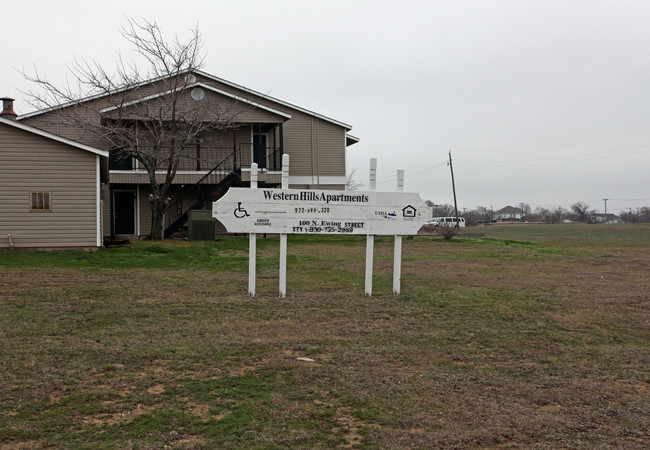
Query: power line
point(629, 199)
point(414, 173)
point(589, 202)
point(558, 160)
point(525, 149)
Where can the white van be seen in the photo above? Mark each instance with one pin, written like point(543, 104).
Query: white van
point(448, 222)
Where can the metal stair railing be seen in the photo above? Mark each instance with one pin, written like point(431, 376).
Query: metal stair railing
point(232, 177)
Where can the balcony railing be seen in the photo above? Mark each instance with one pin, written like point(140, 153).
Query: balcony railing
point(203, 158)
point(265, 157)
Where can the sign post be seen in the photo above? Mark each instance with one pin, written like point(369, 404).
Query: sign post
point(252, 242)
point(283, 236)
point(370, 239)
point(397, 253)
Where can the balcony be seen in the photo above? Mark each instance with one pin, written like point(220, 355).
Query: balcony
point(196, 162)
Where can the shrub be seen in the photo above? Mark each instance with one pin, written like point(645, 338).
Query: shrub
point(447, 232)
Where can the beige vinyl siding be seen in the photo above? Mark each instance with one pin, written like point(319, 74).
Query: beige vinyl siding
point(298, 145)
point(214, 107)
point(32, 163)
point(106, 211)
point(329, 149)
point(62, 126)
point(316, 147)
point(316, 144)
point(144, 208)
point(303, 133)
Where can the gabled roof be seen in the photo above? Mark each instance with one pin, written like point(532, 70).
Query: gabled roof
point(203, 86)
point(350, 140)
point(214, 78)
point(509, 210)
point(53, 137)
point(281, 102)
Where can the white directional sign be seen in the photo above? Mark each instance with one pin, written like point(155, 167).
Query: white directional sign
point(298, 211)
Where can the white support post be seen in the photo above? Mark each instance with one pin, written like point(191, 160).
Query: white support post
point(283, 236)
point(370, 248)
point(397, 253)
point(252, 243)
point(370, 239)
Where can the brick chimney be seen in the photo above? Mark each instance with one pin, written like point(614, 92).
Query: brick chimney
point(8, 108)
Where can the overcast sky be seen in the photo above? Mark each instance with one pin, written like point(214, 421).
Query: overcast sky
point(542, 102)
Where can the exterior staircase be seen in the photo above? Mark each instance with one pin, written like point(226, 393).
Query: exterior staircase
point(215, 194)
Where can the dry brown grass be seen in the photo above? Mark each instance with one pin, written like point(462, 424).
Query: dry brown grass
point(534, 342)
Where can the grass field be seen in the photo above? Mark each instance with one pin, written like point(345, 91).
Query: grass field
point(509, 337)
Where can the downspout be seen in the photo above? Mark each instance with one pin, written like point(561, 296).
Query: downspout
point(11, 243)
point(318, 152)
point(112, 209)
point(261, 155)
point(275, 148)
point(313, 162)
point(137, 210)
point(98, 180)
point(281, 143)
point(234, 150)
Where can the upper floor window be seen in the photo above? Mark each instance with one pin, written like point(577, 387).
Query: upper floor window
point(120, 160)
point(40, 201)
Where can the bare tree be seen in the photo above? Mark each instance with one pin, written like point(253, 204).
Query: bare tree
point(554, 215)
point(351, 183)
point(582, 211)
point(445, 210)
point(484, 214)
point(641, 215)
point(156, 122)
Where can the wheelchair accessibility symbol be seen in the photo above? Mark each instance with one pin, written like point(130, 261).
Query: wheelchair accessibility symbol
point(240, 212)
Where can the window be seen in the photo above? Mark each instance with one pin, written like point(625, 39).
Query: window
point(120, 160)
point(40, 201)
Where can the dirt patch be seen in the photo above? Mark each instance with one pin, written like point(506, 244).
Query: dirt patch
point(157, 389)
point(119, 417)
point(351, 427)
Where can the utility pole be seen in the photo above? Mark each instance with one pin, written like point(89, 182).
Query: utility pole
point(522, 211)
point(453, 186)
point(605, 200)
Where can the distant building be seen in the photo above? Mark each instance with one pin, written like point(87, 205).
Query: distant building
point(606, 218)
point(508, 213)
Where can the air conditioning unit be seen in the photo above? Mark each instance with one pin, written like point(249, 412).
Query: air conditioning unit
point(201, 225)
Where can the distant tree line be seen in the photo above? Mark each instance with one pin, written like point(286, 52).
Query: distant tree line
point(640, 215)
point(578, 212)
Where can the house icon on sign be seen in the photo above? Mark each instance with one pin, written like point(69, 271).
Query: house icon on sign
point(409, 211)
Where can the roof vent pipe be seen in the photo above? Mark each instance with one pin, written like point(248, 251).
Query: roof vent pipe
point(8, 108)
